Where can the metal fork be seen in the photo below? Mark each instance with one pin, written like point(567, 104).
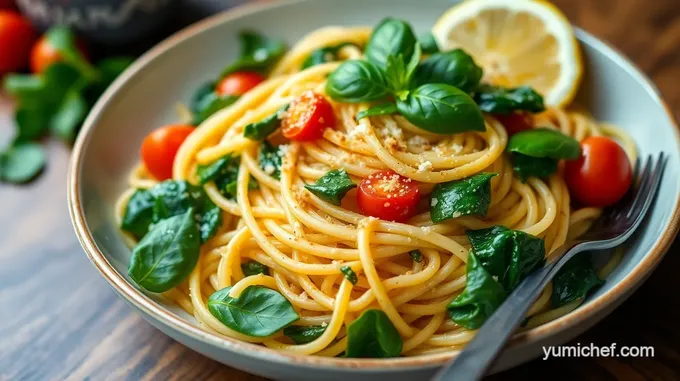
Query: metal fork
point(610, 230)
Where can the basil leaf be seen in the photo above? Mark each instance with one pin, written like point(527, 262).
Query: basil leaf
point(198, 98)
point(349, 274)
point(224, 172)
point(469, 196)
point(258, 53)
point(527, 166)
point(323, 55)
point(428, 43)
point(69, 116)
point(398, 73)
point(381, 109)
point(544, 142)
point(416, 255)
point(372, 335)
point(21, 163)
point(509, 255)
point(357, 81)
point(110, 68)
point(209, 172)
point(441, 109)
point(303, 334)
point(332, 186)
point(390, 37)
point(481, 297)
point(61, 38)
point(574, 281)
point(167, 254)
point(455, 68)
point(138, 213)
point(31, 123)
point(254, 268)
point(27, 89)
point(258, 311)
point(500, 100)
point(271, 158)
point(260, 130)
point(211, 104)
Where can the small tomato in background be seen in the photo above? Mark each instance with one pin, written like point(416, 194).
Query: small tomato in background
point(16, 38)
point(44, 54)
point(7, 5)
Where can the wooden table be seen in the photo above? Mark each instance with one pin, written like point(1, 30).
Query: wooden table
point(60, 320)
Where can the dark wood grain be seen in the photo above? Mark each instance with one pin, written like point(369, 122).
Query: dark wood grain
point(60, 320)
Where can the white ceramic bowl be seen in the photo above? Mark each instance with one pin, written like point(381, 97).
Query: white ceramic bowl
point(145, 96)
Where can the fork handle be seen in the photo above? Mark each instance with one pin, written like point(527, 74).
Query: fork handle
point(479, 354)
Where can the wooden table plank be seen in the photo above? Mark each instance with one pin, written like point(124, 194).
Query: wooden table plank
point(60, 320)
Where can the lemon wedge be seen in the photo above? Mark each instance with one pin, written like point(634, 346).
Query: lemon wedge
point(517, 42)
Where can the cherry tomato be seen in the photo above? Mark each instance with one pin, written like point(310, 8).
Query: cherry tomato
point(516, 121)
point(389, 196)
point(44, 54)
point(16, 38)
point(307, 117)
point(160, 147)
point(238, 83)
point(602, 175)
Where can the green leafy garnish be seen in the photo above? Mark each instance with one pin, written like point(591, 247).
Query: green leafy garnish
point(398, 72)
point(372, 335)
point(349, 274)
point(21, 163)
point(258, 53)
point(253, 268)
point(469, 196)
point(527, 166)
point(271, 158)
point(416, 255)
point(574, 281)
point(381, 109)
point(428, 43)
point(167, 254)
point(332, 186)
point(323, 55)
point(210, 104)
point(390, 38)
point(303, 334)
point(258, 311)
point(501, 100)
point(455, 68)
point(357, 81)
point(544, 142)
point(260, 130)
point(224, 172)
point(198, 99)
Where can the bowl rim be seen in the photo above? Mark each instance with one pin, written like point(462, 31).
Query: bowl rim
point(150, 307)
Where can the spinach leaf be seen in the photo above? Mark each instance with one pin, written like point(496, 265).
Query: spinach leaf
point(304, 334)
point(349, 274)
point(455, 68)
point(469, 196)
point(167, 254)
point(210, 104)
point(209, 172)
point(224, 172)
point(501, 100)
point(481, 297)
point(253, 268)
point(398, 72)
point(139, 213)
point(258, 311)
point(69, 115)
point(509, 255)
point(260, 130)
point(357, 81)
point(31, 123)
point(372, 335)
point(527, 166)
point(390, 37)
point(258, 53)
point(416, 255)
point(441, 109)
point(323, 55)
point(428, 43)
point(332, 186)
point(381, 109)
point(574, 281)
point(197, 99)
point(544, 142)
point(271, 158)
point(21, 163)
point(62, 39)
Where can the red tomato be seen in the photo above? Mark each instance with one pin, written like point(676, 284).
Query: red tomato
point(516, 121)
point(238, 83)
point(602, 175)
point(16, 38)
point(388, 196)
point(7, 4)
point(160, 147)
point(307, 117)
point(44, 54)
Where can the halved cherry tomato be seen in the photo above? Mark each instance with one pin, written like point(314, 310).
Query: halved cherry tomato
point(602, 175)
point(307, 117)
point(44, 54)
point(16, 38)
point(516, 121)
point(388, 196)
point(238, 83)
point(160, 147)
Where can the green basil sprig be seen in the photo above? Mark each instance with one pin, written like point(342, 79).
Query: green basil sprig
point(271, 159)
point(469, 196)
point(258, 53)
point(544, 142)
point(258, 311)
point(323, 55)
point(399, 72)
point(303, 334)
point(381, 109)
point(428, 43)
point(390, 38)
point(455, 68)
point(21, 163)
point(526, 166)
point(332, 186)
point(574, 281)
point(372, 335)
point(501, 100)
point(167, 254)
point(357, 81)
point(260, 130)
point(253, 268)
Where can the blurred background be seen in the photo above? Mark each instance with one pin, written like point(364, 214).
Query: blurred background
point(59, 319)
